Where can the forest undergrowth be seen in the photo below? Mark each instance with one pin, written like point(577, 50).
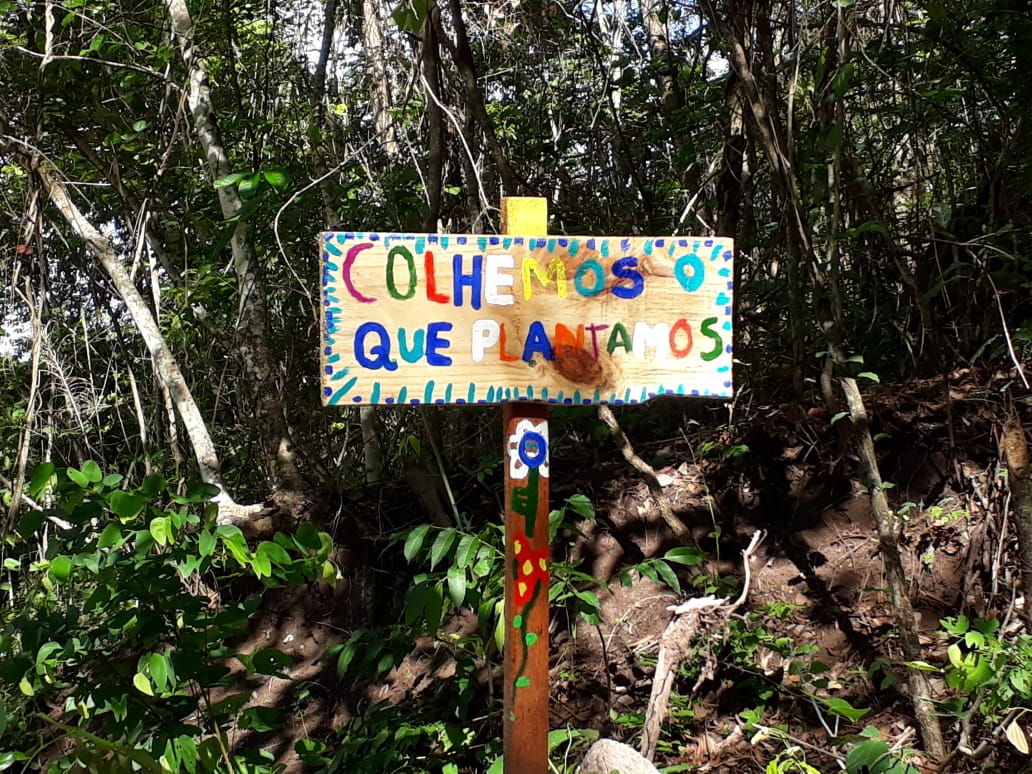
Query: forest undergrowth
point(150, 638)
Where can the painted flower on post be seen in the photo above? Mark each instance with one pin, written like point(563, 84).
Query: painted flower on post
point(531, 569)
point(528, 448)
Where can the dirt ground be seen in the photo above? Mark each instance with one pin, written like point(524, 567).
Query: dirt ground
point(818, 579)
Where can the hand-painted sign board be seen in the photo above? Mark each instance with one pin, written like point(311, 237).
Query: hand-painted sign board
point(434, 318)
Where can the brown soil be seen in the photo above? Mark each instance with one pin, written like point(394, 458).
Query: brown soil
point(818, 581)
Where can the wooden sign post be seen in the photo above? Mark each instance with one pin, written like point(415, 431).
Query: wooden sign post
point(525, 664)
point(526, 320)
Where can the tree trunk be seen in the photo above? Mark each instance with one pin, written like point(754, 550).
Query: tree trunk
point(463, 58)
point(433, 177)
point(379, 80)
point(774, 138)
point(252, 316)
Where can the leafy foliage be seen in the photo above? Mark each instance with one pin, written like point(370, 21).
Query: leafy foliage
point(118, 626)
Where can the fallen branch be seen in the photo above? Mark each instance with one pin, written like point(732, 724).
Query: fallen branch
point(689, 618)
point(676, 525)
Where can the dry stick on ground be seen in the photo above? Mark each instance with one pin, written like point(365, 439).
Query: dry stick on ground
point(691, 617)
point(676, 525)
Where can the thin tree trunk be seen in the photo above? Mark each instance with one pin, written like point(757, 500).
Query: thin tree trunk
point(656, 27)
point(373, 455)
point(431, 71)
point(24, 441)
point(463, 58)
point(774, 140)
point(252, 316)
point(379, 81)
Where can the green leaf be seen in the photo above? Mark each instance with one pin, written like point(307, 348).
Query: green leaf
point(668, 576)
point(111, 536)
point(499, 630)
point(414, 541)
point(92, 471)
point(26, 687)
point(139, 126)
point(261, 565)
point(921, 666)
point(433, 608)
point(197, 492)
point(230, 705)
point(232, 179)
point(206, 542)
point(152, 486)
point(41, 478)
point(981, 672)
point(261, 719)
point(347, 655)
point(270, 661)
point(307, 536)
point(648, 571)
point(159, 530)
point(457, 585)
point(842, 707)
point(276, 177)
point(143, 684)
point(60, 569)
point(44, 663)
point(466, 550)
point(186, 751)
point(582, 506)
point(685, 555)
point(32, 521)
point(79, 478)
point(864, 756)
point(410, 15)
point(234, 540)
point(126, 505)
point(275, 552)
point(562, 736)
point(838, 416)
point(159, 670)
point(329, 572)
point(442, 545)
point(869, 375)
point(873, 756)
point(955, 655)
point(247, 187)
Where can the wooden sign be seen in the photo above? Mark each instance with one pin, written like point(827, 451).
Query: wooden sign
point(449, 319)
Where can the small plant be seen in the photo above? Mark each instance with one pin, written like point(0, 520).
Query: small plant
point(870, 754)
point(722, 452)
point(991, 673)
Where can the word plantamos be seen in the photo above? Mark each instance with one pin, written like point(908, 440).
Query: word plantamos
point(374, 344)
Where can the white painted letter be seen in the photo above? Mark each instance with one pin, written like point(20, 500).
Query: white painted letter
point(484, 334)
point(655, 336)
point(494, 279)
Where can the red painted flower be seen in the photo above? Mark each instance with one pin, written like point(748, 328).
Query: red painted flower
point(531, 569)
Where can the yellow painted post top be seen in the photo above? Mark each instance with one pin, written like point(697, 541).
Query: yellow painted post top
point(525, 215)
